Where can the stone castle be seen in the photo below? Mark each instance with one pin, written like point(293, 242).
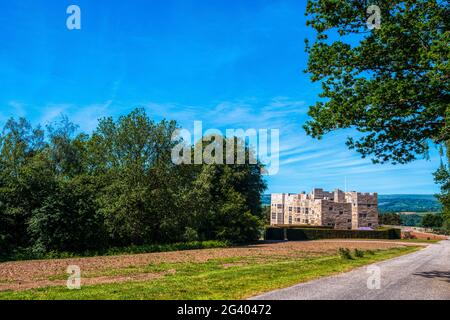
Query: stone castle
point(337, 209)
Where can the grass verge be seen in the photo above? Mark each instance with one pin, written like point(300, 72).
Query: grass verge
point(419, 240)
point(216, 279)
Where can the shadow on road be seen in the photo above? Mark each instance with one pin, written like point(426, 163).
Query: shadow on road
point(445, 275)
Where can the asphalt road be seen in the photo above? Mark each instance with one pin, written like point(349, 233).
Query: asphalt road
point(422, 275)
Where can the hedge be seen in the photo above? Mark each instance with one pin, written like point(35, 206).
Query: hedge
point(274, 233)
point(302, 226)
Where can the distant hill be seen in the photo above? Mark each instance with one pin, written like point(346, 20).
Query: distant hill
point(408, 203)
point(397, 203)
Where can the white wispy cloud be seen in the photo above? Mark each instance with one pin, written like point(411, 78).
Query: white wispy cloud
point(86, 116)
point(307, 156)
point(232, 114)
point(52, 112)
point(18, 108)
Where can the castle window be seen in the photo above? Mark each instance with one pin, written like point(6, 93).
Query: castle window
point(290, 208)
point(349, 220)
point(279, 206)
point(341, 212)
point(330, 208)
point(369, 224)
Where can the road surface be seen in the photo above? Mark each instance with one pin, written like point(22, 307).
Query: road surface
point(421, 275)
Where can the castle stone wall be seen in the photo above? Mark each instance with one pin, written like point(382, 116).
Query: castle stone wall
point(341, 210)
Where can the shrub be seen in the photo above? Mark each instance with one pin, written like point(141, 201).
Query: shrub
point(274, 234)
point(295, 233)
point(408, 235)
point(345, 253)
point(359, 253)
point(303, 226)
point(190, 234)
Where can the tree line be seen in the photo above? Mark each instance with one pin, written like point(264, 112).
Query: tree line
point(61, 190)
point(429, 220)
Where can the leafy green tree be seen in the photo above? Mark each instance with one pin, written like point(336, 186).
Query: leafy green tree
point(68, 219)
point(390, 218)
point(432, 220)
point(64, 216)
point(442, 177)
point(411, 220)
point(391, 84)
point(24, 179)
point(66, 151)
point(219, 211)
point(226, 198)
point(5, 233)
point(139, 201)
point(266, 213)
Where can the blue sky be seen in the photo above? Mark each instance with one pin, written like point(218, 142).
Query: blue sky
point(230, 64)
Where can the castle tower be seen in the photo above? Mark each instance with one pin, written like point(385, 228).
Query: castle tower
point(364, 209)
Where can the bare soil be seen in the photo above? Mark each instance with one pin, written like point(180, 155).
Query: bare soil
point(429, 236)
point(24, 275)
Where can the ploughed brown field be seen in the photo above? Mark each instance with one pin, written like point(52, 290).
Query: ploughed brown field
point(24, 275)
point(427, 236)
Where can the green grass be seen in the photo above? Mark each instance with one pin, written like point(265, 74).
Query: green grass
point(235, 278)
point(418, 240)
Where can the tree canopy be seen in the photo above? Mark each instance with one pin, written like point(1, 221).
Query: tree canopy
point(432, 220)
point(390, 83)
